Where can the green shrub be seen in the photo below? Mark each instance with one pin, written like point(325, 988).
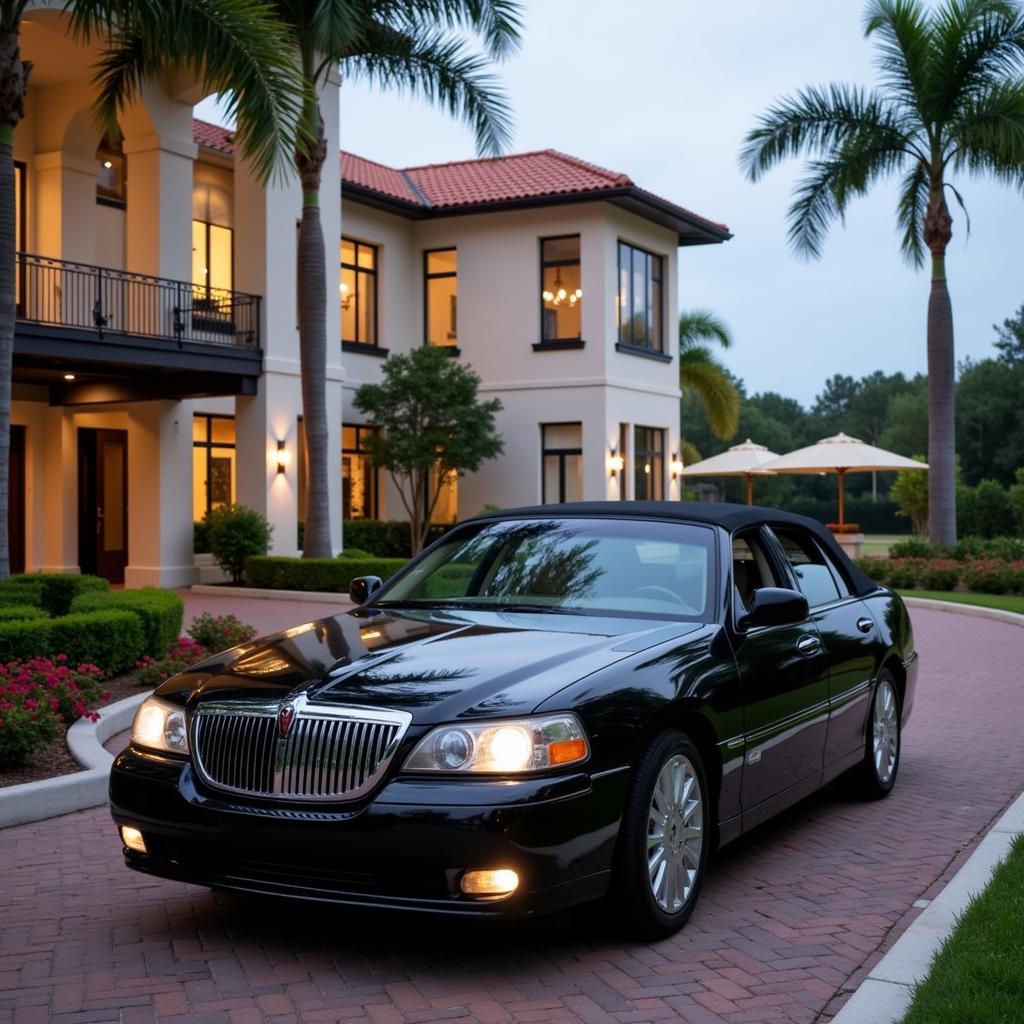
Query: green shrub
point(385, 539)
point(986, 576)
point(939, 574)
point(354, 553)
point(25, 639)
point(237, 533)
point(219, 632)
point(53, 591)
point(113, 640)
point(200, 537)
point(18, 597)
point(914, 547)
point(20, 612)
point(160, 612)
point(327, 574)
point(903, 572)
point(874, 567)
point(985, 510)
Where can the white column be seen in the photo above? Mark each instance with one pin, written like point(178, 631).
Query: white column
point(56, 491)
point(160, 495)
point(65, 187)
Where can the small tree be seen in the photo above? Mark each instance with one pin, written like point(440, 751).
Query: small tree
point(429, 423)
point(236, 533)
point(910, 492)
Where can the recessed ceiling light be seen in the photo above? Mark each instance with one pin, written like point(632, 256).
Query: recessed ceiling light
point(69, 376)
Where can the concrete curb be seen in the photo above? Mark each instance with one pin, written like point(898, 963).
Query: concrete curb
point(974, 610)
point(341, 600)
point(46, 798)
point(887, 992)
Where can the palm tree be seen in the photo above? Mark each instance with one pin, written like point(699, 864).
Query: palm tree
point(415, 45)
point(226, 44)
point(950, 99)
point(701, 372)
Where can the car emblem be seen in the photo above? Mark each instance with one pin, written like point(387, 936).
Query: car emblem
point(284, 720)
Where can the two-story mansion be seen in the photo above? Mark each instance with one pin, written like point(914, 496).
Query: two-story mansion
point(156, 370)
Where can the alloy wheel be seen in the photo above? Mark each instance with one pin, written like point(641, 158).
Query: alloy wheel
point(675, 833)
point(885, 731)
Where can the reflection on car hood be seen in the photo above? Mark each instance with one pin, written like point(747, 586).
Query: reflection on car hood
point(438, 665)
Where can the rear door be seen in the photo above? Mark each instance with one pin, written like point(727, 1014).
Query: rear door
point(784, 678)
point(848, 632)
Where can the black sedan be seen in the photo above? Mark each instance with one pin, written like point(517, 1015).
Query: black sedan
point(547, 707)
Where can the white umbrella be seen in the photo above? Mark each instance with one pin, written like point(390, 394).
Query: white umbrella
point(744, 460)
point(841, 455)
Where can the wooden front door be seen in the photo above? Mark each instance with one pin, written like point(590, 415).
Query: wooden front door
point(103, 502)
point(16, 500)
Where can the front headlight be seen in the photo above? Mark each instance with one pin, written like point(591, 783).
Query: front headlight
point(503, 748)
point(160, 726)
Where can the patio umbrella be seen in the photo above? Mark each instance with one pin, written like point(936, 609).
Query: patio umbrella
point(841, 455)
point(744, 460)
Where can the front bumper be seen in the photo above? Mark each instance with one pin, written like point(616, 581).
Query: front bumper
point(405, 848)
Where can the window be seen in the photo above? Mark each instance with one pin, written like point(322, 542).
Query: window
point(213, 271)
point(649, 464)
point(561, 302)
point(750, 571)
point(110, 181)
point(817, 581)
point(213, 463)
point(358, 298)
point(440, 298)
point(19, 234)
point(358, 475)
point(561, 462)
point(623, 453)
point(640, 299)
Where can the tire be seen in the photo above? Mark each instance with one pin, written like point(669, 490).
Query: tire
point(875, 776)
point(668, 788)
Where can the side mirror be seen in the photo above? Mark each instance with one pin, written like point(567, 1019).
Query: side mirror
point(774, 606)
point(362, 588)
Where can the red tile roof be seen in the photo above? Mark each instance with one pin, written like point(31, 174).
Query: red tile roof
point(466, 184)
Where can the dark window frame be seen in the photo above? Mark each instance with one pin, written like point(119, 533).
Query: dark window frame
point(373, 505)
point(640, 455)
point(436, 275)
point(205, 288)
point(654, 346)
point(561, 454)
point(116, 202)
point(210, 444)
point(357, 270)
point(575, 341)
point(21, 232)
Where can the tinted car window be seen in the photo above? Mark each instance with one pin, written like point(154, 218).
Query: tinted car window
point(606, 566)
point(815, 578)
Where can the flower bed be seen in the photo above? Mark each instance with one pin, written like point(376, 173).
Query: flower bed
point(977, 575)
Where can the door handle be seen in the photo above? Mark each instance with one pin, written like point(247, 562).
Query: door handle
point(865, 625)
point(808, 645)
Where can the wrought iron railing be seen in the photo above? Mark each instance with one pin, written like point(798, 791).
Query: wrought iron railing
point(63, 293)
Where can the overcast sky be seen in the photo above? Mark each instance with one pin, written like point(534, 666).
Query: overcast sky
point(664, 91)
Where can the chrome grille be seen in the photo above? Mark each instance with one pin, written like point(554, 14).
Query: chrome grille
point(326, 754)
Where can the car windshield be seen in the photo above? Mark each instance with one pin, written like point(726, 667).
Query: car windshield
point(596, 566)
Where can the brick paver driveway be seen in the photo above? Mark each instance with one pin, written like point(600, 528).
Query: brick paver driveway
point(791, 916)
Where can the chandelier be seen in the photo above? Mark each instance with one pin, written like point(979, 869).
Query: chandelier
point(558, 295)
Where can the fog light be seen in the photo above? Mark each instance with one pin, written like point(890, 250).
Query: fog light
point(502, 882)
point(132, 838)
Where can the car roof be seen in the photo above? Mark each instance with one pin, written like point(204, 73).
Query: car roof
point(730, 517)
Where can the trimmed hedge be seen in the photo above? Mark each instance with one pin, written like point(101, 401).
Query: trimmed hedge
point(385, 539)
point(26, 639)
point(160, 611)
point(21, 612)
point(328, 574)
point(53, 591)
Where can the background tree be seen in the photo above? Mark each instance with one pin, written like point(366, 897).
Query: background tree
point(415, 45)
point(430, 426)
point(703, 375)
point(910, 491)
point(950, 99)
point(1010, 338)
point(230, 46)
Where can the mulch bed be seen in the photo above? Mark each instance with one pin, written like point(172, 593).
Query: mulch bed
point(55, 759)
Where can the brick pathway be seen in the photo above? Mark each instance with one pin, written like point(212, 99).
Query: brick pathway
point(791, 917)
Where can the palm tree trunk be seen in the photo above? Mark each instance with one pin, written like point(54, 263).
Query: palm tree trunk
point(13, 80)
point(312, 292)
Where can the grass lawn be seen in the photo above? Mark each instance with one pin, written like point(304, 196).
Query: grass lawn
point(879, 543)
point(1005, 602)
point(978, 974)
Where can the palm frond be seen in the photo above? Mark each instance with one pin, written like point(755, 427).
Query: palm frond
point(700, 325)
point(819, 121)
point(332, 25)
point(702, 374)
point(910, 213)
point(903, 36)
point(233, 47)
point(442, 71)
point(988, 134)
point(497, 23)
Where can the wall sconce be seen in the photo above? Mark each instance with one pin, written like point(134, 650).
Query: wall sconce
point(616, 463)
point(676, 465)
point(346, 296)
point(284, 457)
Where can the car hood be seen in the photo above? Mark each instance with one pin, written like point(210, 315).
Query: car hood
point(440, 666)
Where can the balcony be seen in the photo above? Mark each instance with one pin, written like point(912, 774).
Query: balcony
point(125, 336)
